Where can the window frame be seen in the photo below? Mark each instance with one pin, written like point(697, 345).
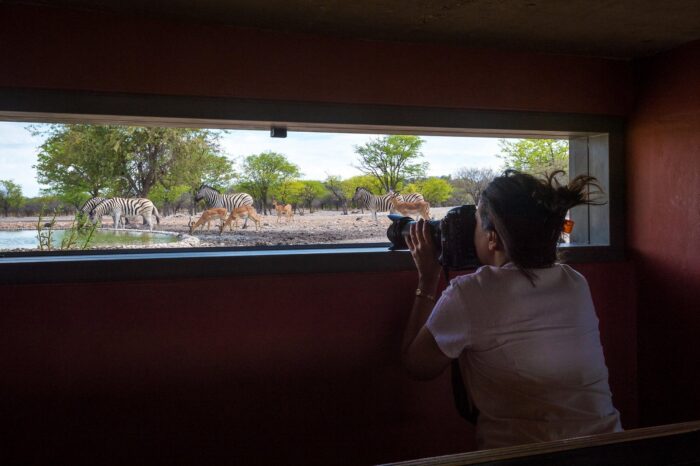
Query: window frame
point(56, 106)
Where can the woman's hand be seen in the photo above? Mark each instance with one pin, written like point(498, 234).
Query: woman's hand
point(422, 250)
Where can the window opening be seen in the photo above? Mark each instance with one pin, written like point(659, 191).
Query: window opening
point(163, 184)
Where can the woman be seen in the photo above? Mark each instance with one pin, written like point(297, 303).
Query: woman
point(523, 326)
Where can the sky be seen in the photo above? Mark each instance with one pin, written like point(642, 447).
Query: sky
point(317, 154)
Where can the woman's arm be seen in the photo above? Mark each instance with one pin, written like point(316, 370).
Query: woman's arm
point(420, 353)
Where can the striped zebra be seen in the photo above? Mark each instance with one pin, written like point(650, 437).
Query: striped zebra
point(118, 206)
point(413, 197)
point(213, 198)
point(374, 203)
point(92, 202)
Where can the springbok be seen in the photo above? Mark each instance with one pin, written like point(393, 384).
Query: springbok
point(246, 211)
point(281, 210)
point(407, 209)
point(207, 216)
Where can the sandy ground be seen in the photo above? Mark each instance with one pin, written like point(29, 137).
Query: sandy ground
point(320, 227)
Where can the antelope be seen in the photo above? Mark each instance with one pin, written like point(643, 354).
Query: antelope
point(421, 208)
point(246, 211)
point(285, 210)
point(207, 216)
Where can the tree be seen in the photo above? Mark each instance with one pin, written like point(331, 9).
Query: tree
point(390, 159)
point(76, 162)
point(81, 161)
point(471, 182)
point(288, 192)
point(340, 190)
point(264, 171)
point(535, 156)
point(311, 191)
point(172, 156)
point(172, 198)
point(10, 196)
point(368, 182)
point(434, 190)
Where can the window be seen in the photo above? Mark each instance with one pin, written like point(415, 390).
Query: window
point(591, 144)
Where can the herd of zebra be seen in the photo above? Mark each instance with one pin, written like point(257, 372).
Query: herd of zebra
point(120, 208)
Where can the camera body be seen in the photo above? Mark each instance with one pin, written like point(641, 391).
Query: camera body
point(453, 236)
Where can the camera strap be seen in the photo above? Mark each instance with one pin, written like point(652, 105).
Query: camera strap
point(463, 403)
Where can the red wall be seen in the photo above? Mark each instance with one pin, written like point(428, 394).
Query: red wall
point(664, 233)
point(262, 370)
point(55, 49)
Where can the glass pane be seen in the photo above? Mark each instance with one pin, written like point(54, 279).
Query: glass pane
point(163, 185)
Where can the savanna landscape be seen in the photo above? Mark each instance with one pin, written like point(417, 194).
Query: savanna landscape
point(172, 168)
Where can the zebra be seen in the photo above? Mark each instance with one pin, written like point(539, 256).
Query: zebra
point(413, 197)
point(372, 202)
point(213, 198)
point(91, 203)
point(118, 206)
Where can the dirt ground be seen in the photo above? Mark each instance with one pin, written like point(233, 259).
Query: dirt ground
point(320, 227)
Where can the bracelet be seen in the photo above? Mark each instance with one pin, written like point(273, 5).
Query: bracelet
point(422, 294)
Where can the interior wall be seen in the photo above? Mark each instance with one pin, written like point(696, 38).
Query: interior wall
point(294, 369)
point(77, 50)
point(298, 369)
point(664, 232)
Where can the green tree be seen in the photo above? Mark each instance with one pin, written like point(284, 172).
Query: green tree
point(471, 182)
point(77, 162)
point(264, 171)
point(81, 161)
point(10, 196)
point(172, 156)
point(287, 192)
point(311, 191)
point(171, 198)
point(535, 156)
point(434, 190)
point(392, 159)
point(362, 181)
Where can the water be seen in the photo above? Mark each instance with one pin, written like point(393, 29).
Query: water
point(27, 239)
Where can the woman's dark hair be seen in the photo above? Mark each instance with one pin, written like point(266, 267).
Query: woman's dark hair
point(528, 213)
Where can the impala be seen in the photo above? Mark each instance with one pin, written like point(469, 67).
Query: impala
point(207, 216)
point(281, 210)
point(407, 209)
point(246, 211)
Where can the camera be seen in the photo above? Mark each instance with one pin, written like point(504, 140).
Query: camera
point(453, 236)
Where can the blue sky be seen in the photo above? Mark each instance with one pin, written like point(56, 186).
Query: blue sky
point(317, 154)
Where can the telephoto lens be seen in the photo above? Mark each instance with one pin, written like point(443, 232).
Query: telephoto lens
point(453, 236)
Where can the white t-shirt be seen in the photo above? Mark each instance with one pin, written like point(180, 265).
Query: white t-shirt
point(531, 356)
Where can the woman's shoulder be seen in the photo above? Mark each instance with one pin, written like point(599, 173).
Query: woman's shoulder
point(488, 274)
point(570, 272)
point(478, 278)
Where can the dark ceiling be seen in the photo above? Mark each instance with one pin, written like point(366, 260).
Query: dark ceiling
point(606, 28)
